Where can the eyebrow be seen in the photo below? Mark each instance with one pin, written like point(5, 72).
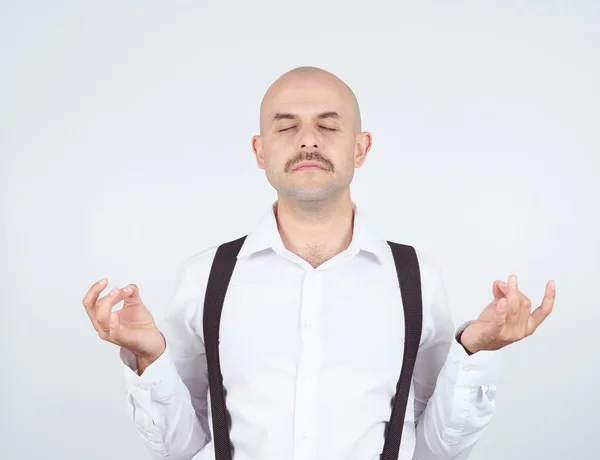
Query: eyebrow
point(291, 116)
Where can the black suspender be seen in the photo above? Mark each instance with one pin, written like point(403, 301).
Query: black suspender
point(409, 278)
point(218, 281)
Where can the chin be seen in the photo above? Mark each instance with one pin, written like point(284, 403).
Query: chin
point(309, 194)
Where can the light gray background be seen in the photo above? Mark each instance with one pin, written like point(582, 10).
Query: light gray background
point(125, 148)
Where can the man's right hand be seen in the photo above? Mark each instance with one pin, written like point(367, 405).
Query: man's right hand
point(132, 327)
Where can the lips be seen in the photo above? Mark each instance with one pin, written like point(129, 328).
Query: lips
point(308, 165)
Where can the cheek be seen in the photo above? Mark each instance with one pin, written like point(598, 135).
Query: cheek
point(277, 153)
point(269, 162)
point(345, 152)
point(273, 160)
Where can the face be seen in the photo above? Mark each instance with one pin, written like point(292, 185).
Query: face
point(309, 144)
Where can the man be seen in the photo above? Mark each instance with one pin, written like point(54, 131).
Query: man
point(312, 333)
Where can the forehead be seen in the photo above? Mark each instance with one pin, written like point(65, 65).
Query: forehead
point(308, 96)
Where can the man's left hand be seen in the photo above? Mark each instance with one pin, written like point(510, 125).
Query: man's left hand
point(508, 318)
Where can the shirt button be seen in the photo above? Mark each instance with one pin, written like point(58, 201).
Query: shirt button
point(307, 325)
point(310, 378)
point(466, 368)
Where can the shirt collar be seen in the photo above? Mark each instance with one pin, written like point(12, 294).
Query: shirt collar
point(265, 235)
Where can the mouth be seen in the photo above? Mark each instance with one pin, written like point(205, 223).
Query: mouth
point(308, 166)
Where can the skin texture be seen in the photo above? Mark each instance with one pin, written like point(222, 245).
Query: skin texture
point(314, 209)
point(310, 115)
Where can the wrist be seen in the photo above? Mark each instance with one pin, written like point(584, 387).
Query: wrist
point(146, 358)
point(468, 347)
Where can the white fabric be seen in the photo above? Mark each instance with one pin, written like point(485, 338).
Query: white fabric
point(310, 360)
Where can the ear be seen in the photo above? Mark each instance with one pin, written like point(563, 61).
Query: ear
point(257, 148)
point(363, 145)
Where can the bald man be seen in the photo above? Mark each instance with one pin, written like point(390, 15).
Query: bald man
point(288, 343)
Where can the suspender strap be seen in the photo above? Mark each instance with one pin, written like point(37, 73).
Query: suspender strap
point(409, 277)
point(218, 281)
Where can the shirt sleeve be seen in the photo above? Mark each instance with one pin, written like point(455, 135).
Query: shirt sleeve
point(454, 392)
point(168, 402)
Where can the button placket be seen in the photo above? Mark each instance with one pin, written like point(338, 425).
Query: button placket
point(306, 398)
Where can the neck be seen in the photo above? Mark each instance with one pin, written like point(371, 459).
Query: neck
point(316, 231)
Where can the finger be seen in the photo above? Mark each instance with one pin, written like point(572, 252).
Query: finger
point(114, 332)
point(114, 326)
point(104, 307)
point(513, 302)
point(500, 315)
point(499, 289)
point(90, 298)
point(132, 292)
point(524, 315)
point(542, 312)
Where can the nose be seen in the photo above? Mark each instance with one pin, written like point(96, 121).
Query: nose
point(309, 139)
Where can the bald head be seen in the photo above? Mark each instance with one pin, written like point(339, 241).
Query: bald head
point(310, 85)
point(310, 115)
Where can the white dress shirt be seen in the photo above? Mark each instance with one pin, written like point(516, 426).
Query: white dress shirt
point(310, 360)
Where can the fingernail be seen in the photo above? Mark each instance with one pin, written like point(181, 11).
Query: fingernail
point(114, 291)
point(128, 289)
point(102, 281)
point(514, 280)
point(503, 284)
point(552, 286)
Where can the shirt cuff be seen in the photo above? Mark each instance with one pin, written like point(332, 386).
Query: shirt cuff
point(481, 368)
point(158, 381)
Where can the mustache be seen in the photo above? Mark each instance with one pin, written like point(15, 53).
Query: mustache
point(309, 156)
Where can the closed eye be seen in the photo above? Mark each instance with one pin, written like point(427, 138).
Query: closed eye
point(323, 127)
